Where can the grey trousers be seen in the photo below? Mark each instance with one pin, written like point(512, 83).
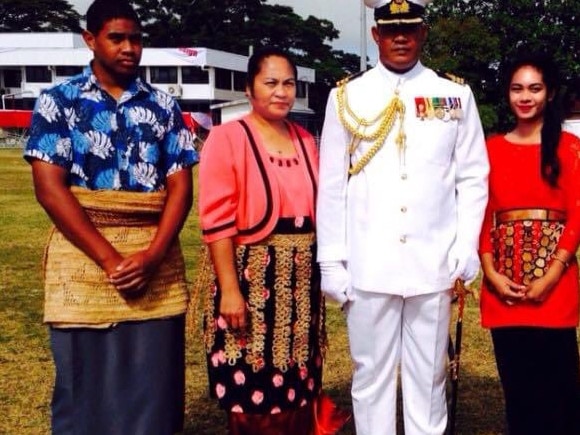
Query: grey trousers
point(127, 379)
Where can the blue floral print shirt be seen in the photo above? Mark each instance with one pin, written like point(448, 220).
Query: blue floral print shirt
point(132, 144)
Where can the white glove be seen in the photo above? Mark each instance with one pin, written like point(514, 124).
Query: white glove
point(335, 281)
point(463, 266)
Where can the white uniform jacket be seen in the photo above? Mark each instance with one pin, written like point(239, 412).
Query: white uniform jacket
point(403, 226)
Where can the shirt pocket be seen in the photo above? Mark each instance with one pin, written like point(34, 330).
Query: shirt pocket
point(433, 142)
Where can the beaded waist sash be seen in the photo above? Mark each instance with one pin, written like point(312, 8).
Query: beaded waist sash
point(542, 214)
point(78, 291)
point(524, 242)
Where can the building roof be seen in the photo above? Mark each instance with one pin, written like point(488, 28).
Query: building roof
point(68, 49)
point(39, 40)
point(296, 108)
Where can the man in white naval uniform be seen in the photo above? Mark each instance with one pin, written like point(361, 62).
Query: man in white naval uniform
point(403, 189)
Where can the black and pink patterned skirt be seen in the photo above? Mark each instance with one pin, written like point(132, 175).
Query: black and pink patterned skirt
point(275, 364)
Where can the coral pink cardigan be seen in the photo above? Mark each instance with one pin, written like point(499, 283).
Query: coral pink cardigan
point(239, 193)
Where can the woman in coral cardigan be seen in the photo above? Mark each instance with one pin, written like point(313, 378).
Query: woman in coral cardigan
point(528, 243)
point(264, 318)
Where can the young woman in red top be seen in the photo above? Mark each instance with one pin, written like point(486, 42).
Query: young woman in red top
point(530, 235)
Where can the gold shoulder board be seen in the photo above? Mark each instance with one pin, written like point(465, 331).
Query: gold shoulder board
point(349, 78)
point(453, 78)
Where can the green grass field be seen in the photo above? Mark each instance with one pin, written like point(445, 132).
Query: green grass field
point(26, 370)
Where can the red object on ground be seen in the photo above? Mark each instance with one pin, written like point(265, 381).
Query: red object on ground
point(15, 118)
point(328, 418)
point(22, 118)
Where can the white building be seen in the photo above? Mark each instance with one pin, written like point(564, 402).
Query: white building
point(572, 123)
point(198, 77)
point(573, 126)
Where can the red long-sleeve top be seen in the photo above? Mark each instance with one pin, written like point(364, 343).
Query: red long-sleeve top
point(515, 182)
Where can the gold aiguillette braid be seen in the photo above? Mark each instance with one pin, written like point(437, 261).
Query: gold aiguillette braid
point(386, 119)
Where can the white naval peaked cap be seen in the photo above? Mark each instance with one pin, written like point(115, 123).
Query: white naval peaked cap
point(398, 11)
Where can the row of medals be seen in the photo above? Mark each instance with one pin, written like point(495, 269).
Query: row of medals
point(444, 109)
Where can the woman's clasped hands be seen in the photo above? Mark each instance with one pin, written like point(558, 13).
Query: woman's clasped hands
point(512, 293)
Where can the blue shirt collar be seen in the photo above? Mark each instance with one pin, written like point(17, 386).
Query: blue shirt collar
point(91, 82)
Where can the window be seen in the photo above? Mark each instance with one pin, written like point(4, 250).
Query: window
point(142, 73)
point(239, 81)
point(68, 71)
point(194, 75)
point(223, 79)
point(38, 74)
point(164, 74)
point(301, 88)
point(12, 78)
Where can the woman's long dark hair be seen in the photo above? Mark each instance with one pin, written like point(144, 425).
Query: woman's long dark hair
point(552, 126)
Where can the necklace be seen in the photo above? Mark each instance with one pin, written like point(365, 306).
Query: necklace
point(383, 124)
point(276, 137)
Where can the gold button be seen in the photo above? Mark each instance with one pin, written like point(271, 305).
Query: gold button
point(403, 176)
point(403, 209)
point(403, 239)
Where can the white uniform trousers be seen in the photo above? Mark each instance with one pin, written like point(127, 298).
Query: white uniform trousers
point(385, 331)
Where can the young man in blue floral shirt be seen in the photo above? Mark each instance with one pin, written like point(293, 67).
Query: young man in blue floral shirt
point(111, 162)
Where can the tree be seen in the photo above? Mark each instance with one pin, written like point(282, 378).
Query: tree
point(38, 16)
point(464, 47)
point(204, 23)
point(478, 38)
point(237, 25)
